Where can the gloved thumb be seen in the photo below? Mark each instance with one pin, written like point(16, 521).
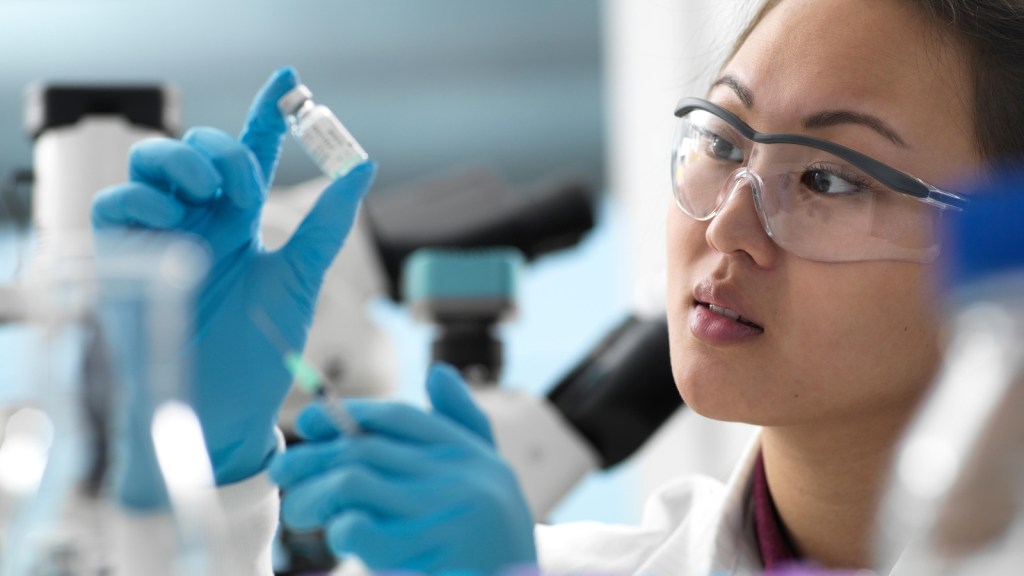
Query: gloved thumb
point(450, 397)
point(322, 232)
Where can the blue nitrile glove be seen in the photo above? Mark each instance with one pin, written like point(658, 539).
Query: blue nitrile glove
point(417, 491)
point(213, 186)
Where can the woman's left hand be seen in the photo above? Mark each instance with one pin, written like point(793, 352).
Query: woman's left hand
point(416, 491)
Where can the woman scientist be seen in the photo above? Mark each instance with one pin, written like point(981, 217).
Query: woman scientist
point(798, 300)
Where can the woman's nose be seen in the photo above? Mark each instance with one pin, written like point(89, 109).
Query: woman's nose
point(738, 228)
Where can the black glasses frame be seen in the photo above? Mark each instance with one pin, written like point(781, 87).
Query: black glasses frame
point(894, 179)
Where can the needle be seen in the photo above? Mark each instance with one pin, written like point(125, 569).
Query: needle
point(309, 379)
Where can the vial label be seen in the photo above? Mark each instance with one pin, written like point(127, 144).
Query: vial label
point(330, 145)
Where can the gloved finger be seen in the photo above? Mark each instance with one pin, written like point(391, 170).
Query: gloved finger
point(450, 397)
point(136, 204)
point(396, 420)
point(304, 461)
point(381, 544)
point(322, 232)
point(241, 179)
point(314, 424)
point(265, 127)
point(176, 168)
point(315, 502)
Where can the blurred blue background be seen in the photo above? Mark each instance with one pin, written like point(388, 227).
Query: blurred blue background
point(422, 85)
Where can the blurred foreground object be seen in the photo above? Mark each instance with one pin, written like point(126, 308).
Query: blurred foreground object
point(958, 476)
point(125, 484)
point(82, 135)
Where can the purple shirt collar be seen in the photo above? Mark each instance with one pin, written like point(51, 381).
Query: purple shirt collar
point(772, 541)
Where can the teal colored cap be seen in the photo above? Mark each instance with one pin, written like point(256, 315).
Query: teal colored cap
point(461, 274)
point(306, 377)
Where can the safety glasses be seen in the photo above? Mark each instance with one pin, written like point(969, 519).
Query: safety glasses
point(815, 198)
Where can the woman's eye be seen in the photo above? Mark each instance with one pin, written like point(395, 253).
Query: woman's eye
point(722, 149)
point(824, 182)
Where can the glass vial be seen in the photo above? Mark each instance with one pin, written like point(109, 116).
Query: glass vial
point(320, 133)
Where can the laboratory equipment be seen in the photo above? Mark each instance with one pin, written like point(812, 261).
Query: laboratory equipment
point(344, 342)
point(82, 136)
point(112, 380)
point(24, 443)
point(595, 417)
point(954, 502)
point(465, 294)
point(16, 198)
point(622, 391)
point(320, 133)
point(472, 208)
point(13, 304)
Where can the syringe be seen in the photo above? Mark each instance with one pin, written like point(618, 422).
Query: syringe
point(309, 379)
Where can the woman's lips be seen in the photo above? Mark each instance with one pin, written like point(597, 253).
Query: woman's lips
point(726, 299)
point(718, 325)
point(730, 314)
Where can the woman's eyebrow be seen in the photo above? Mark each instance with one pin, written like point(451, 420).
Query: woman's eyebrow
point(744, 94)
point(836, 117)
point(822, 119)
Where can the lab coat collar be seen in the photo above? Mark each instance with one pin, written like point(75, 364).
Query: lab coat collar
point(717, 534)
point(732, 544)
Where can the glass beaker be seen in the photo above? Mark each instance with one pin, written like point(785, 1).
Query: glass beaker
point(112, 378)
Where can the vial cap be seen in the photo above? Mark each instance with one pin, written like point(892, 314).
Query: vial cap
point(293, 99)
point(987, 237)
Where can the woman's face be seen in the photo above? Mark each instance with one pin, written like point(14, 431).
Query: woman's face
point(840, 341)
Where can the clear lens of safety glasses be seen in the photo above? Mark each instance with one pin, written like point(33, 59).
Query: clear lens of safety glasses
point(812, 203)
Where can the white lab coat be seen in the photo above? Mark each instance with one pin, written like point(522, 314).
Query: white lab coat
point(233, 535)
point(692, 526)
point(236, 539)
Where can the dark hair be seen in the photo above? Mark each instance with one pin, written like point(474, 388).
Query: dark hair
point(991, 34)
